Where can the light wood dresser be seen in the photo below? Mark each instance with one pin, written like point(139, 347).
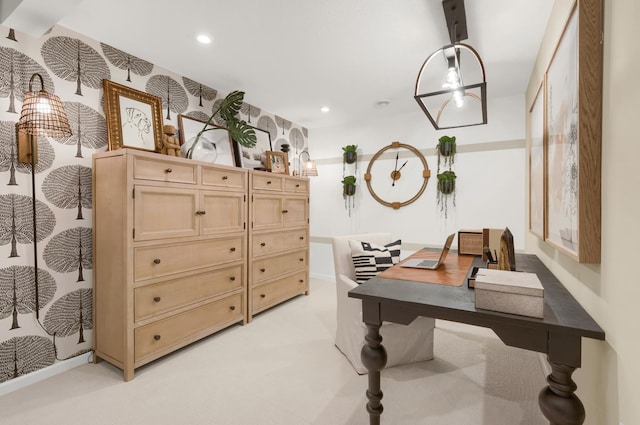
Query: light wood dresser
point(170, 252)
point(278, 239)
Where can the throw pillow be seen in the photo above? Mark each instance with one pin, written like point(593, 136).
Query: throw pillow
point(370, 259)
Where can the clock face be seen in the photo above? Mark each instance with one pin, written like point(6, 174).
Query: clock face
point(397, 175)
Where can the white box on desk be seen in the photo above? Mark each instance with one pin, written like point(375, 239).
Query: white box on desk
point(509, 292)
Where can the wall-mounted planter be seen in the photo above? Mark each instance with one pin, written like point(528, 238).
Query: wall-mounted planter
point(350, 154)
point(446, 148)
point(446, 189)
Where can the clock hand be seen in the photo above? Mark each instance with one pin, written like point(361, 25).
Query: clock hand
point(395, 170)
point(405, 163)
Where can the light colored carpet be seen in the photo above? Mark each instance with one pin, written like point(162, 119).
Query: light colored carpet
point(283, 369)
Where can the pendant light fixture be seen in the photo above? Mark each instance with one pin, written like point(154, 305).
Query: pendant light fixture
point(451, 85)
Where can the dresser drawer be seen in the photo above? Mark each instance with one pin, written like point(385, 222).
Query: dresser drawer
point(224, 178)
point(267, 268)
point(272, 293)
point(181, 329)
point(164, 260)
point(159, 298)
point(163, 171)
point(296, 185)
point(266, 181)
point(271, 243)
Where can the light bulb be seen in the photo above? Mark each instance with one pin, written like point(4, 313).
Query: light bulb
point(458, 98)
point(43, 106)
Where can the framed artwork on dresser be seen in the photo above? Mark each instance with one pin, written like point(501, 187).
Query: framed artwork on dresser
point(254, 157)
point(134, 118)
point(218, 136)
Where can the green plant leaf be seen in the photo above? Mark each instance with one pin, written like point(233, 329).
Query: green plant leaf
point(242, 132)
point(231, 105)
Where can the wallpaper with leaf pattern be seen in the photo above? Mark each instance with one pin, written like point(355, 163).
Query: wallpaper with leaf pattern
point(73, 67)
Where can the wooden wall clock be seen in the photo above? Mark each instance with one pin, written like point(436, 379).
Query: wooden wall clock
point(389, 185)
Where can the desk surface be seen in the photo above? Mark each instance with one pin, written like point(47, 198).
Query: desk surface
point(561, 311)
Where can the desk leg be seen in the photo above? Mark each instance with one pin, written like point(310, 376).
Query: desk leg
point(558, 401)
point(374, 357)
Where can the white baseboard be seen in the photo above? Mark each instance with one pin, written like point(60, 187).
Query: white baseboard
point(42, 374)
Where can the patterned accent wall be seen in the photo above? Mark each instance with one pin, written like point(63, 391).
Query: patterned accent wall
point(73, 67)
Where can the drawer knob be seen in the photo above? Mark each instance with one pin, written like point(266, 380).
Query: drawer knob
point(301, 280)
point(263, 270)
point(263, 244)
point(233, 307)
point(156, 261)
point(301, 238)
point(268, 181)
point(225, 177)
point(233, 248)
point(298, 185)
point(301, 259)
point(168, 170)
point(232, 278)
point(156, 337)
point(157, 299)
point(201, 212)
point(285, 211)
point(263, 296)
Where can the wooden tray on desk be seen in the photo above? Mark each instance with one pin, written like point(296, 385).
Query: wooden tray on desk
point(452, 273)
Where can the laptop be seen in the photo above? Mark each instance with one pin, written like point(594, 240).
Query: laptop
point(420, 263)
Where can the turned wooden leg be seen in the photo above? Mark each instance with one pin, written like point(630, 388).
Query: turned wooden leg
point(374, 357)
point(558, 402)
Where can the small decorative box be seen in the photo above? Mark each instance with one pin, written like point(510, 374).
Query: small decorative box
point(509, 292)
point(470, 242)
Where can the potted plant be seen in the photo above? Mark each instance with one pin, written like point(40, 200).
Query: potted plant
point(239, 130)
point(350, 154)
point(349, 186)
point(446, 148)
point(446, 188)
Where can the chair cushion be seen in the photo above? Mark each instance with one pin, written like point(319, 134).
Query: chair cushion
point(370, 259)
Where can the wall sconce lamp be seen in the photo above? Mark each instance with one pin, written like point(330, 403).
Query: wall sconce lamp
point(42, 114)
point(452, 95)
point(308, 168)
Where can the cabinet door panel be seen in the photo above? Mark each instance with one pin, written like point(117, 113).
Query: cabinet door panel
point(266, 211)
point(164, 212)
point(297, 211)
point(224, 212)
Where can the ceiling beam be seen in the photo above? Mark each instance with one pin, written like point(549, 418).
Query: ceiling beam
point(456, 19)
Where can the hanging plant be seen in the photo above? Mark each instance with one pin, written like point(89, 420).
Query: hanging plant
point(446, 148)
point(348, 192)
point(350, 154)
point(446, 189)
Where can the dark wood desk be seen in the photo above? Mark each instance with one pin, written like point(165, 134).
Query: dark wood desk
point(558, 334)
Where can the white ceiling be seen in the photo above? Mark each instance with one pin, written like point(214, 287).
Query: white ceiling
point(292, 57)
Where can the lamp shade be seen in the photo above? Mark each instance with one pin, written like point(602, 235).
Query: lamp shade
point(309, 168)
point(451, 87)
point(42, 113)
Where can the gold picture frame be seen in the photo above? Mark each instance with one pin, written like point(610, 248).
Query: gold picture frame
point(134, 118)
point(277, 162)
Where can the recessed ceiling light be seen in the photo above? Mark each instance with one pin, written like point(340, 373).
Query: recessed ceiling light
point(325, 109)
point(203, 38)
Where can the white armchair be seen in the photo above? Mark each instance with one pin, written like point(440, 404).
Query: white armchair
point(404, 344)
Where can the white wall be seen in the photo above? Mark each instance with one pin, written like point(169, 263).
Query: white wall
point(489, 165)
point(607, 381)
